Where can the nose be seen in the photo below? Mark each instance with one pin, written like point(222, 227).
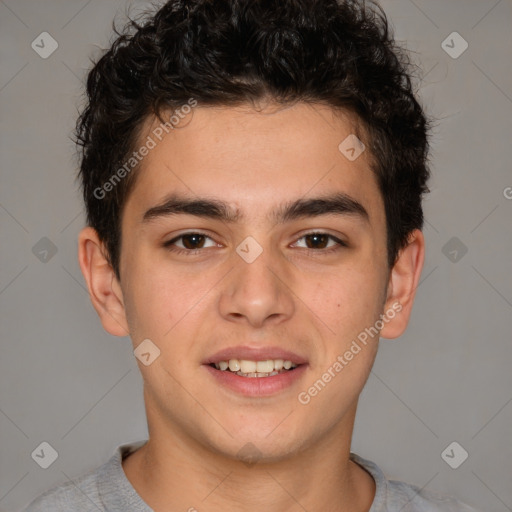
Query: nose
point(257, 293)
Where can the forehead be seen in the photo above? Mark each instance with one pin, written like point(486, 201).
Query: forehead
point(253, 159)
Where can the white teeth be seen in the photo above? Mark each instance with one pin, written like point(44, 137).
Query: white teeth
point(247, 368)
point(234, 365)
point(265, 366)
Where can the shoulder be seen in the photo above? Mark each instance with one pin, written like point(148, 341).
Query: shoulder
point(394, 495)
point(101, 489)
point(80, 494)
point(410, 498)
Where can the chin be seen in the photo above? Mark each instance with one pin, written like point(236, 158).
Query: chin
point(253, 444)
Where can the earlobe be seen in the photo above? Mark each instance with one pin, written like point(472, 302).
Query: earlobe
point(104, 291)
point(403, 281)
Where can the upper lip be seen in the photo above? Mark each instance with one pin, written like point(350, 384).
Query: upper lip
point(254, 354)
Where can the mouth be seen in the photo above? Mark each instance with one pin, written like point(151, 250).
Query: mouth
point(256, 372)
point(255, 369)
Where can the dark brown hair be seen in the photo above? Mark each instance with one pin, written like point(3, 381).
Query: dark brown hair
point(230, 52)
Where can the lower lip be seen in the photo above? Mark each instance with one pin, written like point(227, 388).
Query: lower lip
point(257, 386)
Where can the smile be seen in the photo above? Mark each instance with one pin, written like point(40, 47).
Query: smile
point(255, 369)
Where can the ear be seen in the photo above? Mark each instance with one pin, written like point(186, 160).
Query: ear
point(403, 281)
point(104, 289)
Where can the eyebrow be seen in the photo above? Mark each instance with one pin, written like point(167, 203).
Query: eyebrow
point(336, 204)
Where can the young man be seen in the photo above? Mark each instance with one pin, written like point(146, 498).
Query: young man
point(253, 174)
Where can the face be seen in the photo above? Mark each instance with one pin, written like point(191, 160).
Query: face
point(250, 241)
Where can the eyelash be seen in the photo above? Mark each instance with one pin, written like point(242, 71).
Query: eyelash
point(169, 245)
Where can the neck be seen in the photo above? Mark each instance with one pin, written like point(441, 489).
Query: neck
point(174, 472)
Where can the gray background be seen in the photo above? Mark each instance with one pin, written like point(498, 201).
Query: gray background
point(65, 381)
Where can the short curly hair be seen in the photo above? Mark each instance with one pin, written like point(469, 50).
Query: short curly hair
point(229, 52)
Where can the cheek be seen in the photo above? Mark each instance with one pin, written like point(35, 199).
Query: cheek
point(349, 305)
point(162, 299)
point(346, 300)
point(152, 300)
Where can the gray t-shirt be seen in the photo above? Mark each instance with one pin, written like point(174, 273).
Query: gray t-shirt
point(107, 489)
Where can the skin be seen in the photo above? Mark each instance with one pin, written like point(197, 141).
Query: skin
point(305, 300)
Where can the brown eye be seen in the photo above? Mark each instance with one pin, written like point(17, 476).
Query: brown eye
point(190, 242)
point(193, 241)
point(317, 241)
